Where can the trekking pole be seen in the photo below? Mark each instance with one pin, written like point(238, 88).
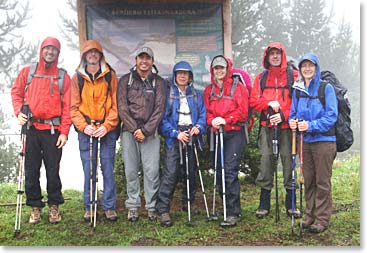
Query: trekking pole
point(91, 180)
point(275, 153)
point(187, 183)
point(300, 179)
point(224, 223)
point(201, 180)
point(294, 153)
point(96, 186)
point(214, 215)
point(20, 191)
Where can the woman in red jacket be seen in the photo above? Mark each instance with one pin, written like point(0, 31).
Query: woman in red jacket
point(227, 107)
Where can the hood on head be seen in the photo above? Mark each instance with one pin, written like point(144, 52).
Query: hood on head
point(88, 45)
point(49, 41)
point(279, 46)
point(182, 65)
point(229, 68)
point(313, 58)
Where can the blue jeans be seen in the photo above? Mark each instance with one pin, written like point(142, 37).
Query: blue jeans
point(107, 160)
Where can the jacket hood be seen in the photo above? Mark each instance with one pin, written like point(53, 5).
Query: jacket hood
point(279, 46)
point(313, 58)
point(49, 41)
point(228, 77)
point(182, 65)
point(88, 45)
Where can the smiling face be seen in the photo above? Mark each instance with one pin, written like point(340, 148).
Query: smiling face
point(308, 70)
point(275, 57)
point(49, 54)
point(182, 77)
point(92, 57)
point(144, 63)
point(219, 72)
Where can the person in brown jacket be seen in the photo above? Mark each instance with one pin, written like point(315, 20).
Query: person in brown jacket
point(141, 102)
point(94, 115)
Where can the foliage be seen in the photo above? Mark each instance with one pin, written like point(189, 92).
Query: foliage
point(344, 229)
point(8, 160)
point(14, 50)
point(69, 26)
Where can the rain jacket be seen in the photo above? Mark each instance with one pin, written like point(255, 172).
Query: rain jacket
point(95, 102)
point(320, 118)
point(277, 76)
point(43, 102)
point(169, 124)
point(140, 105)
point(234, 111)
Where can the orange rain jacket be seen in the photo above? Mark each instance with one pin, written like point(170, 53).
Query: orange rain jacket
point(94, 101)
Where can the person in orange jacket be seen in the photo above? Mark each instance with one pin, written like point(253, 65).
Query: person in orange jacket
point(271, 96)
point(41, 99)
point(94, 114)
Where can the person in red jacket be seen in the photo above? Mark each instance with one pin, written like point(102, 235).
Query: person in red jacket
point(227, 107)
point(44, 106)
point(273, 101)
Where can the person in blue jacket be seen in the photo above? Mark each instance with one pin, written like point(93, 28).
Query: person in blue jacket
point(316, 121)
point(183, 123)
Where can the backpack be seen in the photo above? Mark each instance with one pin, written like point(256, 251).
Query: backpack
point(342, 128)
point(107, 77)
point(32, 73)
point(172, 96)
point(291, 65)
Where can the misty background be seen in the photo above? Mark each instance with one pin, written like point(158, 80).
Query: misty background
point(331, 29)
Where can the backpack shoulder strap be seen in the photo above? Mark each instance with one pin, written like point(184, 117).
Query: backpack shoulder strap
point(62, 73)
point(31, 72)
point(234, 85)
point(321, 92)
point(80, 82)
point(263, 77)
point(131, 80)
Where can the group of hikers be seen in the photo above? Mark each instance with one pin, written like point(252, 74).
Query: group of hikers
point(141, 105)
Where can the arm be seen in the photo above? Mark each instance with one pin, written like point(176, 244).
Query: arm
point(65, 113)
point(17, 90)
point(76, 116)
point(112, 118)
point(159, 107)
point(256, 100)
point(122, 105)
point(209, 112)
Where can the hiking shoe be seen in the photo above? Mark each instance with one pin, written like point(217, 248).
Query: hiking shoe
point(317, 228)
point(87, 216)
point(297, 213)
point(132, 215)
point(54, 215)
point(36, 215)
point(111, 215)
point(166, 220)
point(264, 205)
point(152, 216)
point(230, 222)
point(307, 221)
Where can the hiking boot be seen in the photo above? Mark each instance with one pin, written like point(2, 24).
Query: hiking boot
point(132, 215)
point(87, 216)
point(54, 215)
point(152, 215)
point(307, 221)
point(111, 215)
point(264, 205)
point(166, 220)
point(288, 204)
point(36, 215)
point(317, 228)
point(230, 222)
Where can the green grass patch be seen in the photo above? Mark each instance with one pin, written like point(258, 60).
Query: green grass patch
point(344, 229)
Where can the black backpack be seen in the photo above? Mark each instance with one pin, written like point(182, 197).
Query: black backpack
point(342, 129)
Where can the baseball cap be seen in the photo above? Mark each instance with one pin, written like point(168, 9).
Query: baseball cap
point(219, 61)
point(144, 50)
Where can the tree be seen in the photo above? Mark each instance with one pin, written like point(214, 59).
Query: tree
point(69, 26)
point(14, 50)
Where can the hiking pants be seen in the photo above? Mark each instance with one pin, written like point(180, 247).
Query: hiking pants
point(318, 158)
point(265, 178)
point(234, 144)
point(145, 153)
point(107, 162)
point(41, 146)
point(173, 173)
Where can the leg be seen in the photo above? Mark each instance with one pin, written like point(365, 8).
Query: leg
point(309, 174)
point(33, 161)
point(131, 158)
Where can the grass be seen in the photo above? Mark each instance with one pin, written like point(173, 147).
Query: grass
point(73, 231)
